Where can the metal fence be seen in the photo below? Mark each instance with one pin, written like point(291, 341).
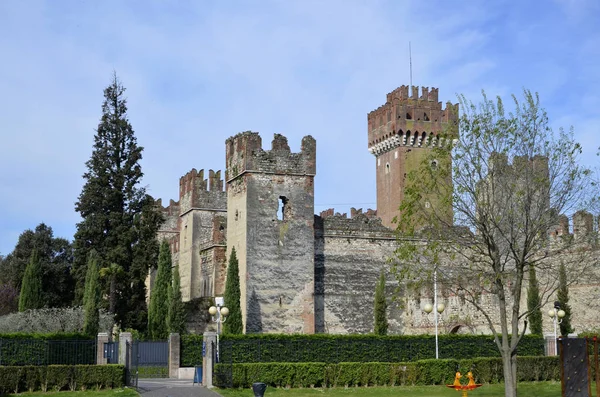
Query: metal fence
point(47, 352)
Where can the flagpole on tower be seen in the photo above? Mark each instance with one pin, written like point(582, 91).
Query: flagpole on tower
point(410, 60)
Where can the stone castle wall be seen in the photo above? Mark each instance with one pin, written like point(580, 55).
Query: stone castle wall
point(306, 273)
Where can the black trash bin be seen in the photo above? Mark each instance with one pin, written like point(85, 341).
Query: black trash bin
point(259, 389)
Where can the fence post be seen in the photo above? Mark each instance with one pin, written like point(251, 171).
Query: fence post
point(101, 339)
point(174, 355)
point(210, 340)
point(124, 338)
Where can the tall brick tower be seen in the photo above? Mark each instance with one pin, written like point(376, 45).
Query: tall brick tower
point(400, 133)
point(270, 222)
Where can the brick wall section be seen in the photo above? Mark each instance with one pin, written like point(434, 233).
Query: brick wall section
point(399, 134)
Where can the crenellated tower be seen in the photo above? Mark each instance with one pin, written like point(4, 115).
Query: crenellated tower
point(270, 219)
point(202, 202)
point(400, 133)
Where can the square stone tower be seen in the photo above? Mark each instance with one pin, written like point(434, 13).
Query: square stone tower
point(400, 133)
point(270, 222)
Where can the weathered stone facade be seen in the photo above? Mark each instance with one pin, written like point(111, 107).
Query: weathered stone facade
point(305, 273)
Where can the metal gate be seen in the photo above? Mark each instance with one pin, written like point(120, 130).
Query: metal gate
point(223, 369)
point(152, 359)
point(111, 352)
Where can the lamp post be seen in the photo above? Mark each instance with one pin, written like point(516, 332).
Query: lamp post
point(219, 315)
point(428, 308)
point(556, 315)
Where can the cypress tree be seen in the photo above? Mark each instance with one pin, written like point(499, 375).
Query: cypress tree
point(31, 296)
point(176, 315)
point(233, 325)
point(159, 305)
point(563, 298)
point(91, 298)
point(381, 323)
point(534, 304)
point(119, 220)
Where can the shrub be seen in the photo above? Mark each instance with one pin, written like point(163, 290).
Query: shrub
point(68, 319)
point(60, 377)
point(424, 372)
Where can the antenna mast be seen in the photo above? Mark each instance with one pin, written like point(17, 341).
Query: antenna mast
point(410, 60)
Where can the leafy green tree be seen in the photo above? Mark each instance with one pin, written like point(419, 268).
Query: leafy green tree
point(506, 176)
point(381, 323)
point(113, 275)
point(176, 314)
point(91, 297)
point(55, 256)
point(563, 298)
point(119, 220)
point(159, 305)
point(31, 296)
point(534, 304)
point(233, 324)
point(9, 299)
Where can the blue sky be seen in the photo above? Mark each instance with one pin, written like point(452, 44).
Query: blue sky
point(200, 71)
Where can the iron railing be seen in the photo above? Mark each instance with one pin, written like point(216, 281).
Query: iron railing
point(47, 352)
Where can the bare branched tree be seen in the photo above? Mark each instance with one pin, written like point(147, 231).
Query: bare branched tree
point(500, 181)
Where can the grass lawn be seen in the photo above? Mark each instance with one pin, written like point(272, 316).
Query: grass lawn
point(533, 389)
point(88, 393)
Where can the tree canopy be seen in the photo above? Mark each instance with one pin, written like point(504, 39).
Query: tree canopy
point(232, 296)
point(55, 256)
point(31, 288)
point(381, 323)
point(159, 302)
point(119, 219)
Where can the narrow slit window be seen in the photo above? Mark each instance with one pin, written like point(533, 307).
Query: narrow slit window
point(283, 208)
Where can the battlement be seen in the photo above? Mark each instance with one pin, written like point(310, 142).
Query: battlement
point(360, 224)
point(170, 210)
point(583, 227)
point(499, 165)
point(197, 192)
point(244, 153)
point(409, 120)
point(171, 217)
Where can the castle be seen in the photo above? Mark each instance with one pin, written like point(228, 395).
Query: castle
point(307, 273)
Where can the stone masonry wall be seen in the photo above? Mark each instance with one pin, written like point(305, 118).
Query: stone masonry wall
point(349, 256)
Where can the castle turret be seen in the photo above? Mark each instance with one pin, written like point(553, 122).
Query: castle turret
point(270, 217)
point(400, 133)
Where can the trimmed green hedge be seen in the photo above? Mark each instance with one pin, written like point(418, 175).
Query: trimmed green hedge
point(424, 372)
point(60, 377)
point(256, 348)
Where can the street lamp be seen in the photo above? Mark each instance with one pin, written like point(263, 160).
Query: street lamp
point(557, 315)
point(219, 315)
point(428, 308)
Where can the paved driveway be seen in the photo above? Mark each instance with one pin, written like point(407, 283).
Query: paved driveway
point(173, 388)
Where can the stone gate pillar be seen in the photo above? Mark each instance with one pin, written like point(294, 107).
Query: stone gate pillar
point(208, 364)
point(174, 355)
point(101, 339)
point(124, 338)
